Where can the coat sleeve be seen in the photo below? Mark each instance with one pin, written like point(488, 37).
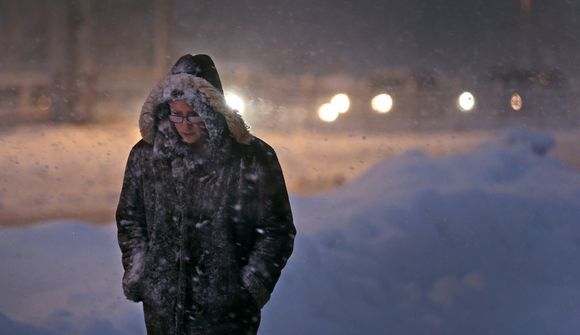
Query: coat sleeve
point(275, 231)
point(131, 227)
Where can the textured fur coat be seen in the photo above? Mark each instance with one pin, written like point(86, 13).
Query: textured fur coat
point(204, 237)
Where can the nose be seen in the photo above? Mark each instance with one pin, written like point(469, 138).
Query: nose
point(187, 125)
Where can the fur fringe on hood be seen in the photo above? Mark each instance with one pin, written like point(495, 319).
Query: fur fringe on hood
point(190, 88)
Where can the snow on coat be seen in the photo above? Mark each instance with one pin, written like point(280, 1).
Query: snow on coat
point(204, 237)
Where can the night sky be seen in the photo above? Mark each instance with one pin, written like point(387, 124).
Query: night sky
point(359, 36)
point(323, 36)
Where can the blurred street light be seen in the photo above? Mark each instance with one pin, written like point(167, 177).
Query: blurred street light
point(466, 102)
point(235, 101)
point(382, 103)
point(341, 102)
point(328, 112)
point(516, 102)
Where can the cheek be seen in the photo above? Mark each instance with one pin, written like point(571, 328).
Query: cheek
point(194, 130)
point(198, 128)
point(179, 128)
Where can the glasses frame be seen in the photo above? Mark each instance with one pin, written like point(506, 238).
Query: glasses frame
point(191, 119)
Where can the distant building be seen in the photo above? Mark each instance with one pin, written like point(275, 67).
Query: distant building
point(63, 60)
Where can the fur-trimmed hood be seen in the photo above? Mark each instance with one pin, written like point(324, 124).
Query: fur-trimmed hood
point(206, 100)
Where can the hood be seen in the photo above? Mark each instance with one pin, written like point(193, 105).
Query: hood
point(208, 101)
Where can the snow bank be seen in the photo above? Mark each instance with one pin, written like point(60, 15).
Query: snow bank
point(64, 277)
point(479, 243)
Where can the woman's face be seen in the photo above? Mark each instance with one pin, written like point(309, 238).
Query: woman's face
point(191, 133)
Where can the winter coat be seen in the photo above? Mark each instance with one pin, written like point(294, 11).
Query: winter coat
point(204, 237)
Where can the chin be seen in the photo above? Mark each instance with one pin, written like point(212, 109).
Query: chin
point(190, 140)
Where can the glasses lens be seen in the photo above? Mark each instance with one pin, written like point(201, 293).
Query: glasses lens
point(175, 118)
point(194, 119)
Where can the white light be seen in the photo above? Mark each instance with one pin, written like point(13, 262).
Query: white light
point(382, 103)
point(341, 102)
point(466, 102)
point(328, 113)
point(235, 101)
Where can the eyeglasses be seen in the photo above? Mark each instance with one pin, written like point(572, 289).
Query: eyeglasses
point(179, 119)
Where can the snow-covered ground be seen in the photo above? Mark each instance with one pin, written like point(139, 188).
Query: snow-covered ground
point(51, 171)
point(482, 242)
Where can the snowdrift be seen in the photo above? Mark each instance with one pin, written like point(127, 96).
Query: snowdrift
point(479, 243)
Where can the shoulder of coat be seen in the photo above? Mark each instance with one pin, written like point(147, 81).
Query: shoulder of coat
point(260, 150)
point(142, 147)
point(257, 145)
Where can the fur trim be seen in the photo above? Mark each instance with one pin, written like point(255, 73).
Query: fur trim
point(191, 87)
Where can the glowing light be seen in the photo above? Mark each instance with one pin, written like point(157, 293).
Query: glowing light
point(235, 101)
point(382, 103)
point(516, 102)
point(328, 112)
point(341, 102)
point(466, 102)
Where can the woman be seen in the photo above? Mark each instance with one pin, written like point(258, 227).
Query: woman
point(204, 222)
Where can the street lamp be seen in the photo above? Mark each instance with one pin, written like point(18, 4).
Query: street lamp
point(328, 112)
point(516, 102)
point(341, 102)
point(466, 102)
point(382, 103)
point(235, 102)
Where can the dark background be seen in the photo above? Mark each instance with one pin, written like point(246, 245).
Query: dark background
point(359, 36)
point(314, 36)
